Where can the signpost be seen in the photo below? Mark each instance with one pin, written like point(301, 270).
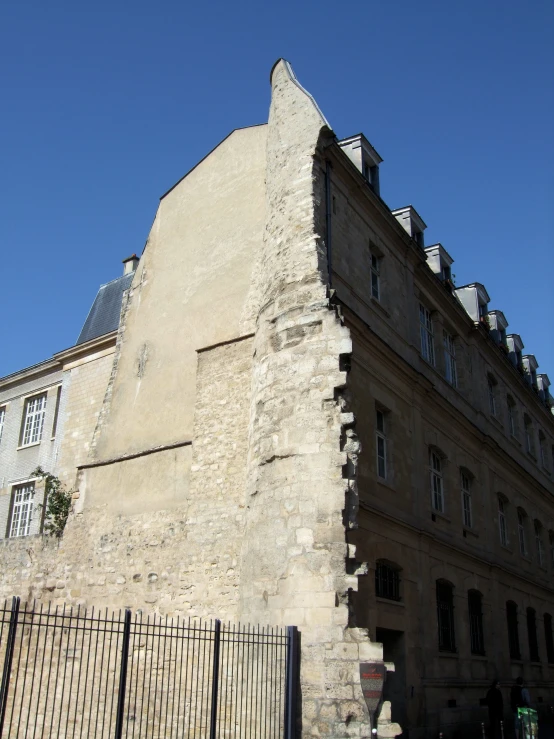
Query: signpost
point(372, 678)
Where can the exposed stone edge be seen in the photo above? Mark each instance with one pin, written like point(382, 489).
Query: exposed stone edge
point(134, 455)
point(225, 343)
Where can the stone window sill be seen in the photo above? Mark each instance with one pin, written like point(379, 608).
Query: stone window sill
point(449, 655)
point(375, 303)
point(438, 514)
point(389, 601)
point(480, 657)
point(471, 532)
point(27, 446)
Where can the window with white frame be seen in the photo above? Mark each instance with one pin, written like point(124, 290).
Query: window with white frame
point(521, 516)
point(426, 334)
point(465, 482)
point(491, 392)
point(2, 418)
point(22, 509)
point(381, 443)
point(503, 531)
point(33, 419)
point(450, 359)
point(512, 424)
point(538, 543)
point(375, 277)
point(437, 486)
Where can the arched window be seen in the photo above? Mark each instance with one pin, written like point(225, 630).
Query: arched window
point(445, 616)
point(521, 526)
point(538, 542)
point(548, 638)
point(503, 530)
point(475, 608)
point(513, 631)
point(387, 580)
point(436, 464)
point(512, 415)
point(532, 634)
point(466, 483)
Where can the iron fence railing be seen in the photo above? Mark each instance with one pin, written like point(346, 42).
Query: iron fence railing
point(74, 673)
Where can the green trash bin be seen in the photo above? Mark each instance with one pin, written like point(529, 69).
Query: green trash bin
point(529, 723)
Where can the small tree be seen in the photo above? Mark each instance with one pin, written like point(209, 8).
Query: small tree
point(57, 503)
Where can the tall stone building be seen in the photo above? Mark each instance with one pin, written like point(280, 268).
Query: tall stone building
point(306, 422)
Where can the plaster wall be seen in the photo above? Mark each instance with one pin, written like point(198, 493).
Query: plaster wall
point(190, 291)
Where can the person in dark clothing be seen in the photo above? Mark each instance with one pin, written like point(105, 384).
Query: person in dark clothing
point(496, 709)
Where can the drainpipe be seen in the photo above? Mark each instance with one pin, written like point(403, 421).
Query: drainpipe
point(328, 223)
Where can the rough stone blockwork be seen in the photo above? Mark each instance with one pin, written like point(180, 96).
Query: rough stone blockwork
point(296, 486)
point(184, 560)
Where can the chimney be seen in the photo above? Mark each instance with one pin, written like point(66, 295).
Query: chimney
point(130, 264)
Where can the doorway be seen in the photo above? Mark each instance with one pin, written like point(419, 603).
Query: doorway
point(394, 690)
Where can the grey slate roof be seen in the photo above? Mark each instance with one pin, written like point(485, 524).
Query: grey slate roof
point(104, 314)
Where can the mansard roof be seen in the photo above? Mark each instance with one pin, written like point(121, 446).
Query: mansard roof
point(104, 314)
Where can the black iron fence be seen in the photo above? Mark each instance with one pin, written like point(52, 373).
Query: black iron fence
point(73, 673)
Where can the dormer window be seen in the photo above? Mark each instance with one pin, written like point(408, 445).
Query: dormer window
point(543, 383)
point(515, 346)
point(497, 325)
point(530, 365)
point(474, 299)
point(411, 222)
point(440, 261)
point(364, 157)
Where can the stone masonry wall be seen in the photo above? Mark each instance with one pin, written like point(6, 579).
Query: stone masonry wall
point(83, 403)
point(296, 489)
point(181, 561)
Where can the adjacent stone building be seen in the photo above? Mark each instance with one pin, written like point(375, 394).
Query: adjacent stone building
point(304, 421)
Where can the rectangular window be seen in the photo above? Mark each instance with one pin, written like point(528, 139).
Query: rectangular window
point(33, 420)
point(445, 615)
point(437, 491)
point(426, 335)
point(22, 509)
point(513, 631)
point(542, 449)
point(474, 599)
point(466, 499)
point(387, 581)
point(375, 277)
point(2, 418)
point(521, 532)
point(450, 359)
point(538, 544)
point(511, 418)
point(548, 638)
point(381, 444)
point(532, 635)
point(502, 523)
point(492, 399)
point(528, 436)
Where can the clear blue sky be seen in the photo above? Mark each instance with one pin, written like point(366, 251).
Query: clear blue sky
point(106, 104)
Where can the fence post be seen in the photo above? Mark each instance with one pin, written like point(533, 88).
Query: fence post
point(215, 679)
point(123, 674)
point(292, 682)
point(8, 658)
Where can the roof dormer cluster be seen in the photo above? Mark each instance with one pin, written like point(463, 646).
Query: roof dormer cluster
point(472, 297)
